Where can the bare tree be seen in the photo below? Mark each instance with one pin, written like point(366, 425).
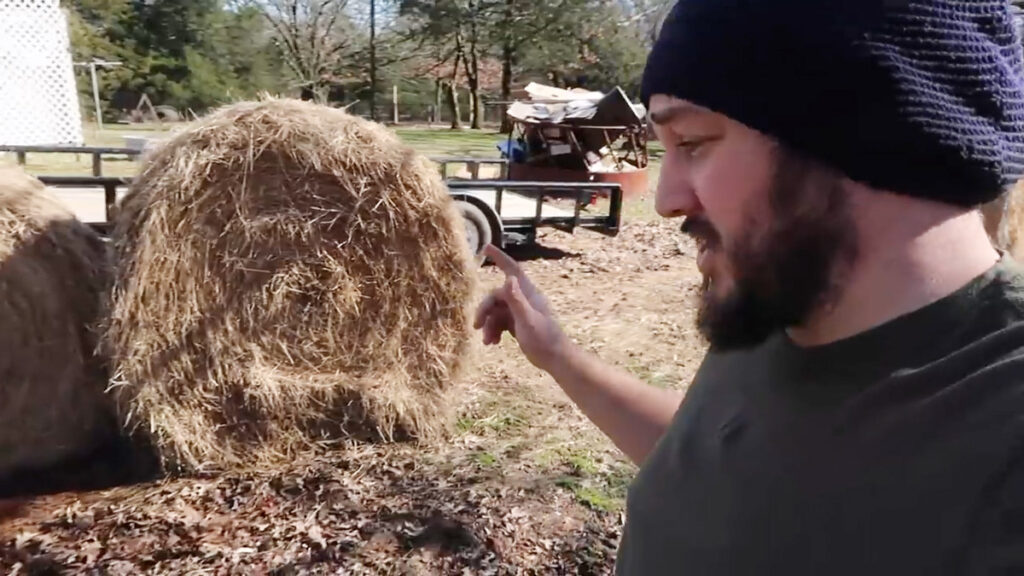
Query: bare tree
point(385, 45)
point(468, 47)
point(522, 23)
point(316, 38)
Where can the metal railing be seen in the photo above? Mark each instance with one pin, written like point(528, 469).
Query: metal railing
point(97, 152)
point(472, 164)
point(580, 192)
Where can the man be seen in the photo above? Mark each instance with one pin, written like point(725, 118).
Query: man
point(861, 408)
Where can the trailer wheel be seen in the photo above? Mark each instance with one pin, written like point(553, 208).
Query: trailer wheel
point(478, 229)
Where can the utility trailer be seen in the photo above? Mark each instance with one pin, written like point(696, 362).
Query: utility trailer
point(504, 211)
point(499, 212)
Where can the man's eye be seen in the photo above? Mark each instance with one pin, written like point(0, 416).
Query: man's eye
point(691, 147)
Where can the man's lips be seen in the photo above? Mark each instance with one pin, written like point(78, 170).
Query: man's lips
point(703, 258)
point(704, 234)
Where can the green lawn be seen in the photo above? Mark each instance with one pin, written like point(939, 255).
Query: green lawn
point(446, 142)
point(432, 142)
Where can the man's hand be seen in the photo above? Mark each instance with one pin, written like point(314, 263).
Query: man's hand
point(633, 414)
point(519, 308)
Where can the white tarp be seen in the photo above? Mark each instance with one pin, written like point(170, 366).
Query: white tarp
point(542, 92)
point(555, 113)
point(557, 105)
point(38, 98)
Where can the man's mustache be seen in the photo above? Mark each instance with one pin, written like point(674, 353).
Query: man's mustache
point(700, 229)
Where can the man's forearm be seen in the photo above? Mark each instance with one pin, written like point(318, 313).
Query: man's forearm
point(635, 415)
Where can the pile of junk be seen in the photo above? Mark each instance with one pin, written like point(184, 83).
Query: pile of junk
point(577, 136)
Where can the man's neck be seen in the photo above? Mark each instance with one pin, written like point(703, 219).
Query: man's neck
point(908, 259)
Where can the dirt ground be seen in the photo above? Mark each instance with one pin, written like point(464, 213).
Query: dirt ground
point(525, 485)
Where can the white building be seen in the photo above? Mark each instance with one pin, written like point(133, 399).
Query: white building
point(38, 98)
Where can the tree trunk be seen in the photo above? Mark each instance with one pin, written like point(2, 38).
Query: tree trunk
point(373, 59)
point(473, 80)
point(473, 73)
point(507, 53)
point(321, 90)
point(453, 105)
point(474, 106)
point(453, 83)
point(506, 82)
point(475, 115)
point(438, 91)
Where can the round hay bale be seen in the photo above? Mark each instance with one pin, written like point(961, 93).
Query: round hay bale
point(287, 275)
point(1004, 221)
point(1012, 228)
point(53, 273)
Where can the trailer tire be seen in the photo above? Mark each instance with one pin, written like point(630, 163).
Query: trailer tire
point(478, 229)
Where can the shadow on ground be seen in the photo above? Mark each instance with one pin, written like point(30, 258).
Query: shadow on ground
point(530, 252)
point(121, 461)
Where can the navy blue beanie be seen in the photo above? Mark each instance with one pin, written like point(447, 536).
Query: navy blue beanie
point(919, 97)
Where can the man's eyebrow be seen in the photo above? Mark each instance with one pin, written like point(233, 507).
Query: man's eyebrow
point(673, 112)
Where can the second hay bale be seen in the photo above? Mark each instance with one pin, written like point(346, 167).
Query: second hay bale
point(53, 272)
point(287, 274)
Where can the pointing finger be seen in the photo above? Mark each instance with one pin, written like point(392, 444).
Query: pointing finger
point(502, 260)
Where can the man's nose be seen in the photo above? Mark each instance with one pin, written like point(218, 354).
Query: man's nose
point(675, 196)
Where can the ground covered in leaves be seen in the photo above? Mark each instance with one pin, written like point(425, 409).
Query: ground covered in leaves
point(525, 485)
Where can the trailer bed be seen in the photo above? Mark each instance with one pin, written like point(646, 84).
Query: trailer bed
point(514, 205)
point(88, 204)
point(507, 211)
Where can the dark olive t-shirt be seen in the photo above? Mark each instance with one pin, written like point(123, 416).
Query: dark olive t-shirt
point(897, 451)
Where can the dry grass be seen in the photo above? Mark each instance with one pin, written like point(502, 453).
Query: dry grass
point(53, 271)
point(288, 276)
point(1012, 228)
point(1004, 221)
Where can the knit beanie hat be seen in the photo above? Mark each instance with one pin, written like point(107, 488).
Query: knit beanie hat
point(919, 97)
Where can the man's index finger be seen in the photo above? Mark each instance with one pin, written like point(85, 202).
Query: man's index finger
point(503, 261)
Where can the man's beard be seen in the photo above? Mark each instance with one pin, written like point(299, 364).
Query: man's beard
point(787, 268)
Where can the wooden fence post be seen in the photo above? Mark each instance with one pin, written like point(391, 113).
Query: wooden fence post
point(394, 102)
